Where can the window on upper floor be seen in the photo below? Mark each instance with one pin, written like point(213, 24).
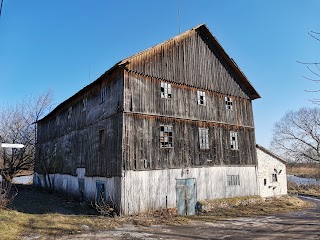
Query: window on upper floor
point(233, 180)
point(201, 96)
point(58, 120)
point(165, 90)
point(166, 140)
point(84, 104)
point(234, 141)
point(204, 138)
point(103, 94)
point(229, 104)
point(101, 139)
point(69, 112)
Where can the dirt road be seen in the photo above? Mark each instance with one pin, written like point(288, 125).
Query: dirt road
point(295, 225)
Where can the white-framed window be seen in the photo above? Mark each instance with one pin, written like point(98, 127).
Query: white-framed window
point(84, 104)
point(233, 180)
point(166, 137)
point(274, 177)
point(165, 90)
point(229, 104)
point(204, 138)
point(234, 141)
point(69, 112)
point(201, 96)
point(103, 94)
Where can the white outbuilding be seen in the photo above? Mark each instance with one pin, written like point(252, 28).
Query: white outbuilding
point(272, 174)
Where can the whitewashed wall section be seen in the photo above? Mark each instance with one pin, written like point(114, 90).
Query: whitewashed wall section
point(150, 190)
point(70, 185)
point(268, 165)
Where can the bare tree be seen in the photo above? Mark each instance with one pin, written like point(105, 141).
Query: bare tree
point(297, 135)
point(313, 69)
point(17, 125)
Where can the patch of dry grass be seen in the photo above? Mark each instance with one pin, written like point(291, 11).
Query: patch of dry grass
point(304, 170)
point(15, 225)
point(257, 207)
point(306, 189)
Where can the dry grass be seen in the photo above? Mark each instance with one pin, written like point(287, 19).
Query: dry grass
point(305, 170)
point(258, 206)
point(307, 189)
point(14, 225)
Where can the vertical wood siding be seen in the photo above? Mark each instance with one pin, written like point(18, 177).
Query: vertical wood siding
point(75, 141)
point(142, 144)
point(191, 60)
point(142, 95)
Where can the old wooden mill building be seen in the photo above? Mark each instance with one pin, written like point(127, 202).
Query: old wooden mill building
point(166, 127)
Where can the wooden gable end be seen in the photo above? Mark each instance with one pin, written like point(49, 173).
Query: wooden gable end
point(194, 59)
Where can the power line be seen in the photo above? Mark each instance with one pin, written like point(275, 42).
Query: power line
point(1, 7)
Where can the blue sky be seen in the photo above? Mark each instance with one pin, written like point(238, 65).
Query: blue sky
point(64, 45)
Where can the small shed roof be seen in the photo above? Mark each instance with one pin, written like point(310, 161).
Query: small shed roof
point(270, 153)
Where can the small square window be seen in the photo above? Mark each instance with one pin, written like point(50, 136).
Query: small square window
point(233, 180)
point(229, 103)
point(201, 97)
point(165, 90)
point(166, 136)
point(234, 141)
point(204, 138)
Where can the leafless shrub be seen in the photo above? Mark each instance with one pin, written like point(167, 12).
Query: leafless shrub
point(8, 191)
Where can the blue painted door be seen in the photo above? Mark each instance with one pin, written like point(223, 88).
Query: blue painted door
point(100, 193)
point(186, 196)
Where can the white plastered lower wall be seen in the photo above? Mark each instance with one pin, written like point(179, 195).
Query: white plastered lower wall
point(150, 190)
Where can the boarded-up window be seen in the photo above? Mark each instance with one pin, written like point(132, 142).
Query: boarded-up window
point(101, 139)
point(274, 177)
point(69, 112)
point(204, 138)
point(103, 94)
point(54, 152)
point(234, 141)
point(84, 104)
point(166, 136)
point(165, 90)
point(233, 180)
point(201, 96)
point(229, 103)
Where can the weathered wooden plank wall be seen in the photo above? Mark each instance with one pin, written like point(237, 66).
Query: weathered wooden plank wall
point(190, 60)
point(142, 95)
point(142, 144)
point(74, 142)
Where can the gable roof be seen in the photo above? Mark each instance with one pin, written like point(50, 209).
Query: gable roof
point(229, 61)
point(200, 28)
point(270, 153)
